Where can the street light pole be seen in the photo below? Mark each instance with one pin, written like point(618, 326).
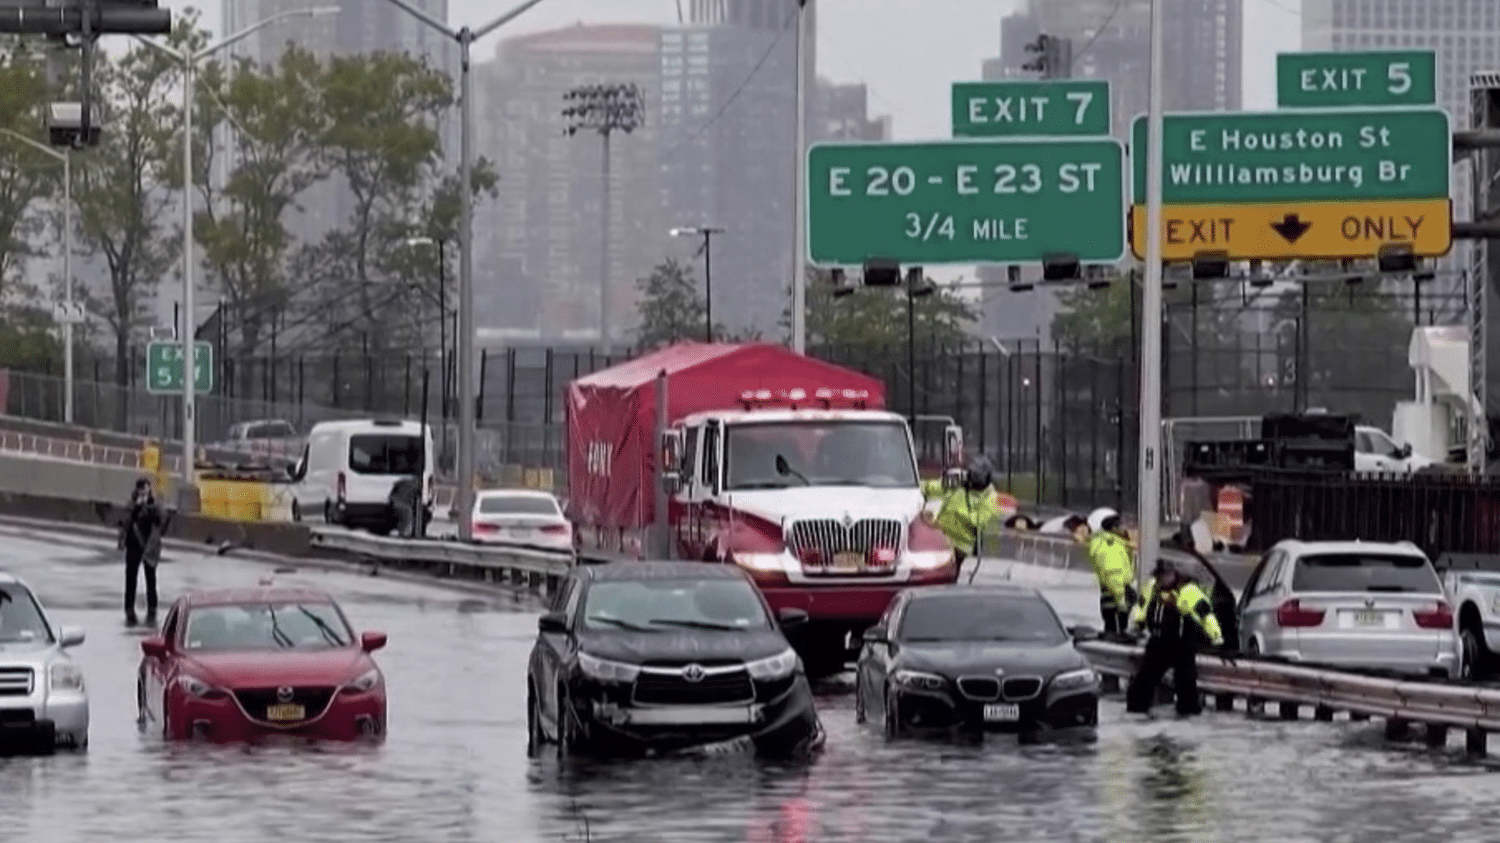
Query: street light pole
point(1149, 502)
point(708, 233)
point(799, 186)
point(468, 398)
point(441, 246)
point(187, 496)
point(68, 317)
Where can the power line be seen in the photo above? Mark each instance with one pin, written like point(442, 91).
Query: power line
point(765, 57)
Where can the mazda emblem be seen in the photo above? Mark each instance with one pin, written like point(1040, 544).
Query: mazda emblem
point(283, 694)
point(694, 673)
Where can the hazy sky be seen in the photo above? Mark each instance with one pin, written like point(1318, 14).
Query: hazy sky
point(908, 51)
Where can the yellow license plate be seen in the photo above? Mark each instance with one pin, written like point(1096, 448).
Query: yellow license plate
point(1369, 619)
point(848, 561)
point(286, 712)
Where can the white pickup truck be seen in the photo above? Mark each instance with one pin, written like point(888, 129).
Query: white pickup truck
point(1473, 585)
point(1376, 452)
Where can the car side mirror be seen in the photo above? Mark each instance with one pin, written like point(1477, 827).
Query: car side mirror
point(783, 468)
point(1083, 633)
point(876, 635)
point(371, 641)
point(552, 622)
point(791, 618)
point(1404, 451)
point(154, 646)
point(70, 636)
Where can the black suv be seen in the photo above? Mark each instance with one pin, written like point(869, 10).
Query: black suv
point(643, 658)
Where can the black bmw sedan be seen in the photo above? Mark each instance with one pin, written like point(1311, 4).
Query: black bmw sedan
point(642, 658)
point(972, 659)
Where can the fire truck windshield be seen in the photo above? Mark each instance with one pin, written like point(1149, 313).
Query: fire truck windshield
point(819, 453)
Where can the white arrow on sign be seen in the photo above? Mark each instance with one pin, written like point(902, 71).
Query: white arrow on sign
point(68, 313)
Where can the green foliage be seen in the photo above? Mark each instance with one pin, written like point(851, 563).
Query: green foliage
point(1095, 320)
point(26, 174)
point(1356, 335)
point(671, 309)
point(871, 317)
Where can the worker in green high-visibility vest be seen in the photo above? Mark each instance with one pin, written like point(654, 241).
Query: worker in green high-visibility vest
point(965, 510)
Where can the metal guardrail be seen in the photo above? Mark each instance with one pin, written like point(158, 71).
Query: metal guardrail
point(535, 568)
point(1437, 706)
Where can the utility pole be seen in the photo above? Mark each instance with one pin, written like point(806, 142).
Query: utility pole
point(1149, 504)
point(605, 109)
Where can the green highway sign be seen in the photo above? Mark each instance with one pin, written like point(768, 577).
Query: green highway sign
point(965, 201)
point(164, 367)
point(1030, 108)
point(1240, 156)
point(1341, 80)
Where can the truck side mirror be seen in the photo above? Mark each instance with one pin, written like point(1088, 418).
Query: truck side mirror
point(671, 451)
point(953, 445)
point(671, 482)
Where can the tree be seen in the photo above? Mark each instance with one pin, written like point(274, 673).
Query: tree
point(123, 188)
point(273, 121)
point(874, 317)
point(671, 307)
point(1097, 320)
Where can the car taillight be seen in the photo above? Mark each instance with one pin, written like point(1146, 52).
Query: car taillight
point(342, 487)
point(555, 529)
point(883, 557)
point(1292, 614)
point(1439, 616)
point(485, 527)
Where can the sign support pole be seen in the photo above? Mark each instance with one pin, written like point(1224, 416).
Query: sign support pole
point(1148, 504)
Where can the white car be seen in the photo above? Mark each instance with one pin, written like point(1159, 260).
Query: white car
point(43, 703)
point(521, 517)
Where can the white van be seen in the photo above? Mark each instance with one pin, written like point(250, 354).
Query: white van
point(348, 470)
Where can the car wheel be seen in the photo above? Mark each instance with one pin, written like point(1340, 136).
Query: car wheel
point(140, 703)
point(1472, 666)
point(892, 717)
point(296, 512)
point(860, 715)
point(534, 736)
point(166, 719)
point(567, 726)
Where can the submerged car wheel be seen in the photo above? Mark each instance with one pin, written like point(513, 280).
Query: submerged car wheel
point(860, 716)
point(567, 726)
point(1472, 665)
point(534, 736)
point(892, 717)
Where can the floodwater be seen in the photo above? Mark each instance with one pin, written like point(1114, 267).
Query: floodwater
point(455, 769)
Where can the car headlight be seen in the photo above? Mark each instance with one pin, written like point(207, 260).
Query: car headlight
point(364, 682)
point(1075, 680)
point(918, 680)
point(778, 666)
point(606, 670)
point(195, 686)
point(927, 560)
point(67, 677)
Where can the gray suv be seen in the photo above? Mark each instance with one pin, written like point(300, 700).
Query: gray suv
point(43, 702)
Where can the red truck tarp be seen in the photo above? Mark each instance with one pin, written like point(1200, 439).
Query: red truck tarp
point(611, 415)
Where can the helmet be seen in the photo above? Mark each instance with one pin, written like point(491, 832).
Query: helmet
point(978, 476)
point(1096, 518)
point(1166, 567)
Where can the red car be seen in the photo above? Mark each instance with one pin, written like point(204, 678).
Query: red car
point(235, 665)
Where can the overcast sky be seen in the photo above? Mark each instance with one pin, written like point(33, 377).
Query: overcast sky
point(908, 51)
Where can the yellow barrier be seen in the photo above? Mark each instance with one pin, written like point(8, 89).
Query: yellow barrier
point(236, 500)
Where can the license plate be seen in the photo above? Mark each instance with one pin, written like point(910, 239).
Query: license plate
point(287, 711)
point(520, 532)
point(848, 561)
point(1002, 712)
point(1369, 618)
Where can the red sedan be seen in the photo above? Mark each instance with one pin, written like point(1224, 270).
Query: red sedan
point(236, 665)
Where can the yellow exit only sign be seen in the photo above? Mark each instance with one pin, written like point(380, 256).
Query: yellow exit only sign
point(1299, 230)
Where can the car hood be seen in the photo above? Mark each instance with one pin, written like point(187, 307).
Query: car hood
point(951, 658)
point(274, 668)
point(680, 646)
point(27, 651)
point(856, 502)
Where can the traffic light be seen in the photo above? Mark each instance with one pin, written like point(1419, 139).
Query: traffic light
point(1054, 57)
point(84, 19)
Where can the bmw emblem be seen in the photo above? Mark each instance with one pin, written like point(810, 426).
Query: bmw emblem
point(284, 694)
point(999, 671)
point(694, 673)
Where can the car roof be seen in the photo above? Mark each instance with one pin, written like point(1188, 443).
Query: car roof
point(635, 571)
point(931, 591)
point(522, 493)
point(263, 594)
point(1308, 548)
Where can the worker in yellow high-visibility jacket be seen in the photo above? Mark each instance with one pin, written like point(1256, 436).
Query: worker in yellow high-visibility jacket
point(1173, 610)
point(966, 510)
point(1109, 552)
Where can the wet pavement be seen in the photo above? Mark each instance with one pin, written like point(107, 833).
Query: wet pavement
point(454, 767)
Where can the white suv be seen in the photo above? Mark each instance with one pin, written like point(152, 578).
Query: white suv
point(43, 702)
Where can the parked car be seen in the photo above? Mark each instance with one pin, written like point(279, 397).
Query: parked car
point(654, 657)
point(1472, 582)
point(238, 664)
point(971, 659)
point(43, 702)
point(521, 517)
point(1350, 604)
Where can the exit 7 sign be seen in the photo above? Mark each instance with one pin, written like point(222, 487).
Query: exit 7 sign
point(1022, 108)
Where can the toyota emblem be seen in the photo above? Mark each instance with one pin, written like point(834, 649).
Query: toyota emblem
point(694, 673)
point(283, 694)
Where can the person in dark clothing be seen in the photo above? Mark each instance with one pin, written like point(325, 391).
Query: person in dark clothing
point(140, 538)
point(1176, 613)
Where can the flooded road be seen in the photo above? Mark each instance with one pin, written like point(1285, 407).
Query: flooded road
point(454, 767)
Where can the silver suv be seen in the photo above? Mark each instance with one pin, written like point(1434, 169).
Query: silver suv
point(43, 702)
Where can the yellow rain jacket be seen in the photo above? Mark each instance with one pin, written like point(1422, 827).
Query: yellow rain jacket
point(1110, 556)
point(963, 513)
point(1175, 607)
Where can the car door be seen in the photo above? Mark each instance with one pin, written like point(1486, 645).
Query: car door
point(1260, 601)
point(881, 655)
point(552, 651)
point(156, 672)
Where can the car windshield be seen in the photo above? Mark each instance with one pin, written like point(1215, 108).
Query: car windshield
point(270, 430)
point(517, 505)
point(981, 617)
point(21, 620)
point(385, 453)
point(1365, 572)
point(832, 453)
point(266, 626)
point(666, 604)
